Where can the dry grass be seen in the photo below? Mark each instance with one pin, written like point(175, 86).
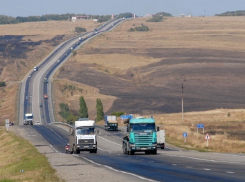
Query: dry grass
point(26, 157)
point(225, 127)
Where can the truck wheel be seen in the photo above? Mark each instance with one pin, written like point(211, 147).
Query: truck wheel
point(162, 147)
point(154, 152)
point(131, 153)
point(77, 151)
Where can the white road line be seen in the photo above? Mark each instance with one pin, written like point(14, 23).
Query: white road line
point(53, 148)
point(206, 169)
point(230, 172)
point(209, 160)
point(109, 140)
point(113, 169)
point(57, 134)
point(104, 150)
point(174, 164)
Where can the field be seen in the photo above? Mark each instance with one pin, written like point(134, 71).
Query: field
point(144, 71)
point(20, 161)
point(24, 45)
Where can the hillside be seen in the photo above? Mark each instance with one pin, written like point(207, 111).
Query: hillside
point(24, 45)
point(232, 13)
point(145, 70)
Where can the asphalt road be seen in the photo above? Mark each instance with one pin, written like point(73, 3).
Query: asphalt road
point(171, 164)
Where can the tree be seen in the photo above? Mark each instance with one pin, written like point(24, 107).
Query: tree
point(80, 29)
point(100, 112)
point(83, 112)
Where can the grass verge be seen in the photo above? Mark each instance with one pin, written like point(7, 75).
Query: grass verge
point(20, 161)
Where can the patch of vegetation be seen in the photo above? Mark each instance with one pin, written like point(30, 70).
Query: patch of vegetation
point(2, 84)
point(74, 53)
point(67, 114)
point(139, 28)
point(118, 114)
point(80, 29)
point(125, 15)
point(83, 112)
point(232, 13)
point(155, 18)
point(21, 163)
point(104, 18)
point(100, 110)
point(164, 14)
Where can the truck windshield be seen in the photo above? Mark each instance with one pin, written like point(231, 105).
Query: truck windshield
point(85, 131)
point(28, 117)
point(142, 127)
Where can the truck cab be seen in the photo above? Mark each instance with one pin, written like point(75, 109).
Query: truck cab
point(140, 136)
point(35, 68)
point(83, 137)
point(28, 119)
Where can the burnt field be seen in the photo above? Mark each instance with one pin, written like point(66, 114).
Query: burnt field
point(212, 79)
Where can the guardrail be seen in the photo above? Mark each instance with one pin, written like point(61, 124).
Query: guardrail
point(65, 124)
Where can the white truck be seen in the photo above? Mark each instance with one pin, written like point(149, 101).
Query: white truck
point(82, 137)
point(35, 68)
point(28, 119)
point(160, 138)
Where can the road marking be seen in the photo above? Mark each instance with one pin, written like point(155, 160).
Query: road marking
point(209, 160)
point(104, 150)
point(230, 172)
point(174, 164)
point(56, 134)
point(206, 169)
point(109, 140)
point(113, 169)
point(53, 148)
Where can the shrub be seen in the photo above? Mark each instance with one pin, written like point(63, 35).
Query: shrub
point(118, 114)
point(2, 84)
point(140, 28)
point(80, 29)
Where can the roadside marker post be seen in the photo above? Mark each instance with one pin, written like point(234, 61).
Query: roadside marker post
point(200, 126)
point(185, 136)
point(207, 137)
point(7, 124)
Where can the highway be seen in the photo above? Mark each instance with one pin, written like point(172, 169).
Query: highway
point(171, 164)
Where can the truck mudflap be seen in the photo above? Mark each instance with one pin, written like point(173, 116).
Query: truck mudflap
point(161, 145)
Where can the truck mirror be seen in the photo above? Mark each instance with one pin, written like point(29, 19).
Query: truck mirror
point(158, 128)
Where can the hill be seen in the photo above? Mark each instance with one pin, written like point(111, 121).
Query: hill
point(232, 13)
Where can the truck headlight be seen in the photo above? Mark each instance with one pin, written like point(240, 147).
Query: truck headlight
point(94, 145)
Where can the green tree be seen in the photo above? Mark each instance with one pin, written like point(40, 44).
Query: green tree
point(80, 29)
point(83, 112)
point(100, 112)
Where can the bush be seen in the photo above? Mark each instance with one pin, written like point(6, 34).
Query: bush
point(2, 84)
point(155, 18)
point(80, 29)
point(140, 28)
point(118, 114)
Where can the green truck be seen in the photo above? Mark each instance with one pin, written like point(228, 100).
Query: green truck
point(140, 136)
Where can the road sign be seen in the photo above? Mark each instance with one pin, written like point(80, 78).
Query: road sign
point(185, 135)
point(200, 125)
point(207, 137)
point(7, 124)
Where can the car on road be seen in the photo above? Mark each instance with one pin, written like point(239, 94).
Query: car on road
point(42, 116)
point(67, 147)
point(45, 96)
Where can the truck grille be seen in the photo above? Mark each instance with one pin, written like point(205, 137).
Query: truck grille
point(86, 141)
point(143, 140)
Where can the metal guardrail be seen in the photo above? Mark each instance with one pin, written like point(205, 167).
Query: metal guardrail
point(65, 124)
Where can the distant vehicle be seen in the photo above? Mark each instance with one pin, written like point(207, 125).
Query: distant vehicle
point(26, 97)
point(42, 116)
point(35, 68)
point(29, 76)
point(82, 137)
point(111, 123)
point(58, 60)
point(28, 119)
point(41, 105)
point(71, 48)
point(45, 96)
point(45, 80)
point(37, 123)
point(67, 147)
point(160, 138)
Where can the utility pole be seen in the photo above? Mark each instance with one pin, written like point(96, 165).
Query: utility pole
point(182, 102)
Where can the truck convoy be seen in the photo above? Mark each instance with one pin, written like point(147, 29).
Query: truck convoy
point(82, 137)
point(140, 136)
point(28, 119)
point(111, 123)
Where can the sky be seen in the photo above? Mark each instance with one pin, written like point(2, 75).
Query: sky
point(105, 7)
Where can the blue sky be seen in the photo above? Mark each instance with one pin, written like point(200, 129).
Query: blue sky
point(102, 7)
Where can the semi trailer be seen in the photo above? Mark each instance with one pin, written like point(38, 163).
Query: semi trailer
point(111, 123)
